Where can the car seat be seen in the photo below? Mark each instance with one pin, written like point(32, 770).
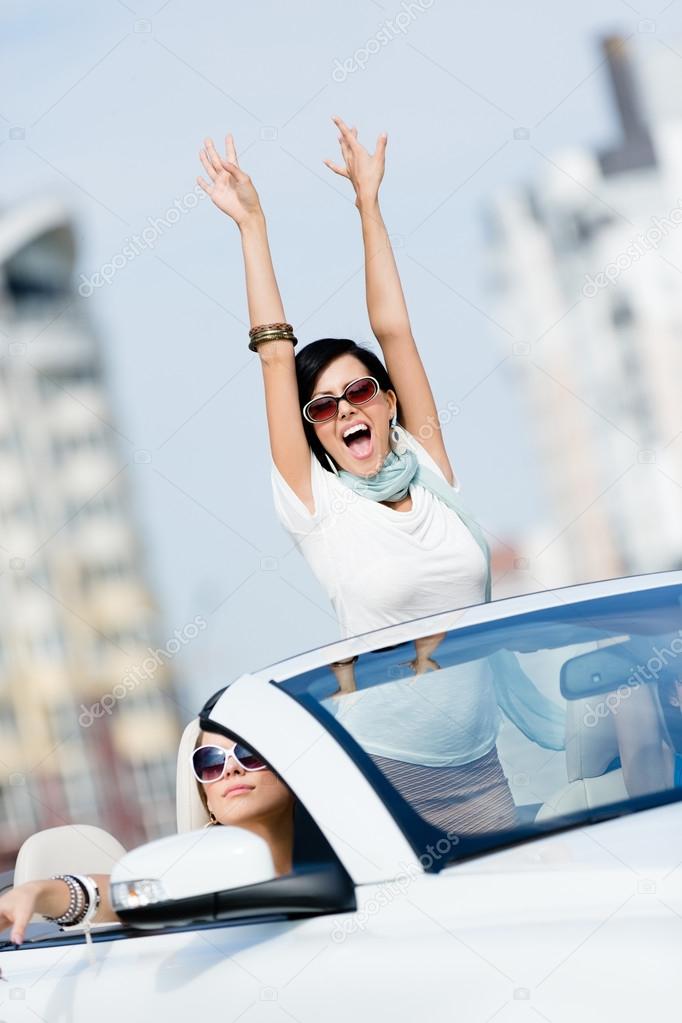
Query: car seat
point(86, 849)
point(591, 751)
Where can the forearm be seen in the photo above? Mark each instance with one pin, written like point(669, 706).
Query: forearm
point(262, 292)
point(385, 300)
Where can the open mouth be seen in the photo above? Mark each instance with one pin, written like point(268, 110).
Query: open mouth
point(358, 440)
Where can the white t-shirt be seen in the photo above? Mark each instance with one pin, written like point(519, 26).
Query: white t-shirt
point(380, 566)
point(441, 718)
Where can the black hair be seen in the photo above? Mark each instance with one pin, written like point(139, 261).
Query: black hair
point(315, 357)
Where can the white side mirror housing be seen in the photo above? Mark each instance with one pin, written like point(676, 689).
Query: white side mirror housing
point(190, 866)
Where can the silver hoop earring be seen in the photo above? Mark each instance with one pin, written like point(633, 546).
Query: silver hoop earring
point(331, 464)
point(395, 434)
point(397, 443)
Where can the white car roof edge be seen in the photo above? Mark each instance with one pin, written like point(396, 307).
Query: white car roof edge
point(475, 614)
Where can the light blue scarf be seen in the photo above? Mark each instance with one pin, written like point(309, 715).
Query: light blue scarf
point(540, 720)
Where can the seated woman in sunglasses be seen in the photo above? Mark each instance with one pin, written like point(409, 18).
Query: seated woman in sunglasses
point(360, 474)
point(235, 786)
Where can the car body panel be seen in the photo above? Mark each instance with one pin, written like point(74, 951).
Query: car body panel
point(583, 924)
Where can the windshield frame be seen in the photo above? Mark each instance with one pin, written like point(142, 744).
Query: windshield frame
point(420, 833)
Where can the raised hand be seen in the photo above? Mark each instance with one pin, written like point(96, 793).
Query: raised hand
point(364, 170)
point(231, 189)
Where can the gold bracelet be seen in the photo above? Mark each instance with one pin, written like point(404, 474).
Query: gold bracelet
point(275, 336)
point(268, 326)
point(272, 334)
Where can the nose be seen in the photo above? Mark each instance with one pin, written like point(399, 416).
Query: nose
point(344, 408)
point(231, 765)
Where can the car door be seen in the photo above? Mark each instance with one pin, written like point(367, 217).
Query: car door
point(178, 970)
point(559, 914)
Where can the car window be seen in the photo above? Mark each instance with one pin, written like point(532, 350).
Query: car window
point(492, 732)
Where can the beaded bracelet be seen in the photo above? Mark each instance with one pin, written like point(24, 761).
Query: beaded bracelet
point(269, 326)
point(76, 907)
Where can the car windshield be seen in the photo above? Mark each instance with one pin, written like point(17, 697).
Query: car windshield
point(489, 733)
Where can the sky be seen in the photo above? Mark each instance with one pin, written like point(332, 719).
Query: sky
point(106, 106)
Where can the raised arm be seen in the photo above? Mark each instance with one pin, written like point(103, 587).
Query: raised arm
point(232, 191)
point(385, 300)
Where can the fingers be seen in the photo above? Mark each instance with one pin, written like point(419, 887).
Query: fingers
point(215, 165)
point(16, 918)
point(210, 170)
point(336, 168)
point(204, 184)
point(230, 150)
point(348, 135)
point(213, 155)
point(345, 150)
point(233, 169)
point(21, 919)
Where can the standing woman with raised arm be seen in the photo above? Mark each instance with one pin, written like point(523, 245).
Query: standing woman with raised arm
point(363, 497)
point(374, 511)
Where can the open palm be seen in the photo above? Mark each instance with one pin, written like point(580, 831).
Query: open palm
point(363, 169)
point(230, 188)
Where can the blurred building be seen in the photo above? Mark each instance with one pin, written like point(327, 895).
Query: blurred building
point(586, 269)
point(86, 734)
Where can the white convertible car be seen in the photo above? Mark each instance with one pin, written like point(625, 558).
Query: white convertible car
point(404, 906)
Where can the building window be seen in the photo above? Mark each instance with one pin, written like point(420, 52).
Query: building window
point(109, 571)
point(80, 793)
point(102, 505)
point(66, 447)
point(154, 783)
point(622, 314)
point(8, 721)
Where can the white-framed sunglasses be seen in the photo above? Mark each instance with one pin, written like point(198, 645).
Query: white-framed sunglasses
point(209, 763)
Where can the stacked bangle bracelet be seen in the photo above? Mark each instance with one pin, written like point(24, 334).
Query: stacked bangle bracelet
point(84, 900)
point(271, 332)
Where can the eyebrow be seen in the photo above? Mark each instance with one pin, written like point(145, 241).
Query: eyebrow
point(318, 394)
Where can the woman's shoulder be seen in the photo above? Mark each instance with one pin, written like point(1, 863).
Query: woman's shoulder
point(424, 457)
point(291, 510)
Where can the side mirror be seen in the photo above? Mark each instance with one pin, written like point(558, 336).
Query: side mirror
point(173, 880)
point(220, 873)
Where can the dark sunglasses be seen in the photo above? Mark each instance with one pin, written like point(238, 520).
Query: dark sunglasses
point(209, 763)
point(326, 406)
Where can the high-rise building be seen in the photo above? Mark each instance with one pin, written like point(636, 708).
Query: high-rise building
point(586, 272)
point(88, 718)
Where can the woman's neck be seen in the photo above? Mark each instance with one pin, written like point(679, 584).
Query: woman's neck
point(279, 834)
